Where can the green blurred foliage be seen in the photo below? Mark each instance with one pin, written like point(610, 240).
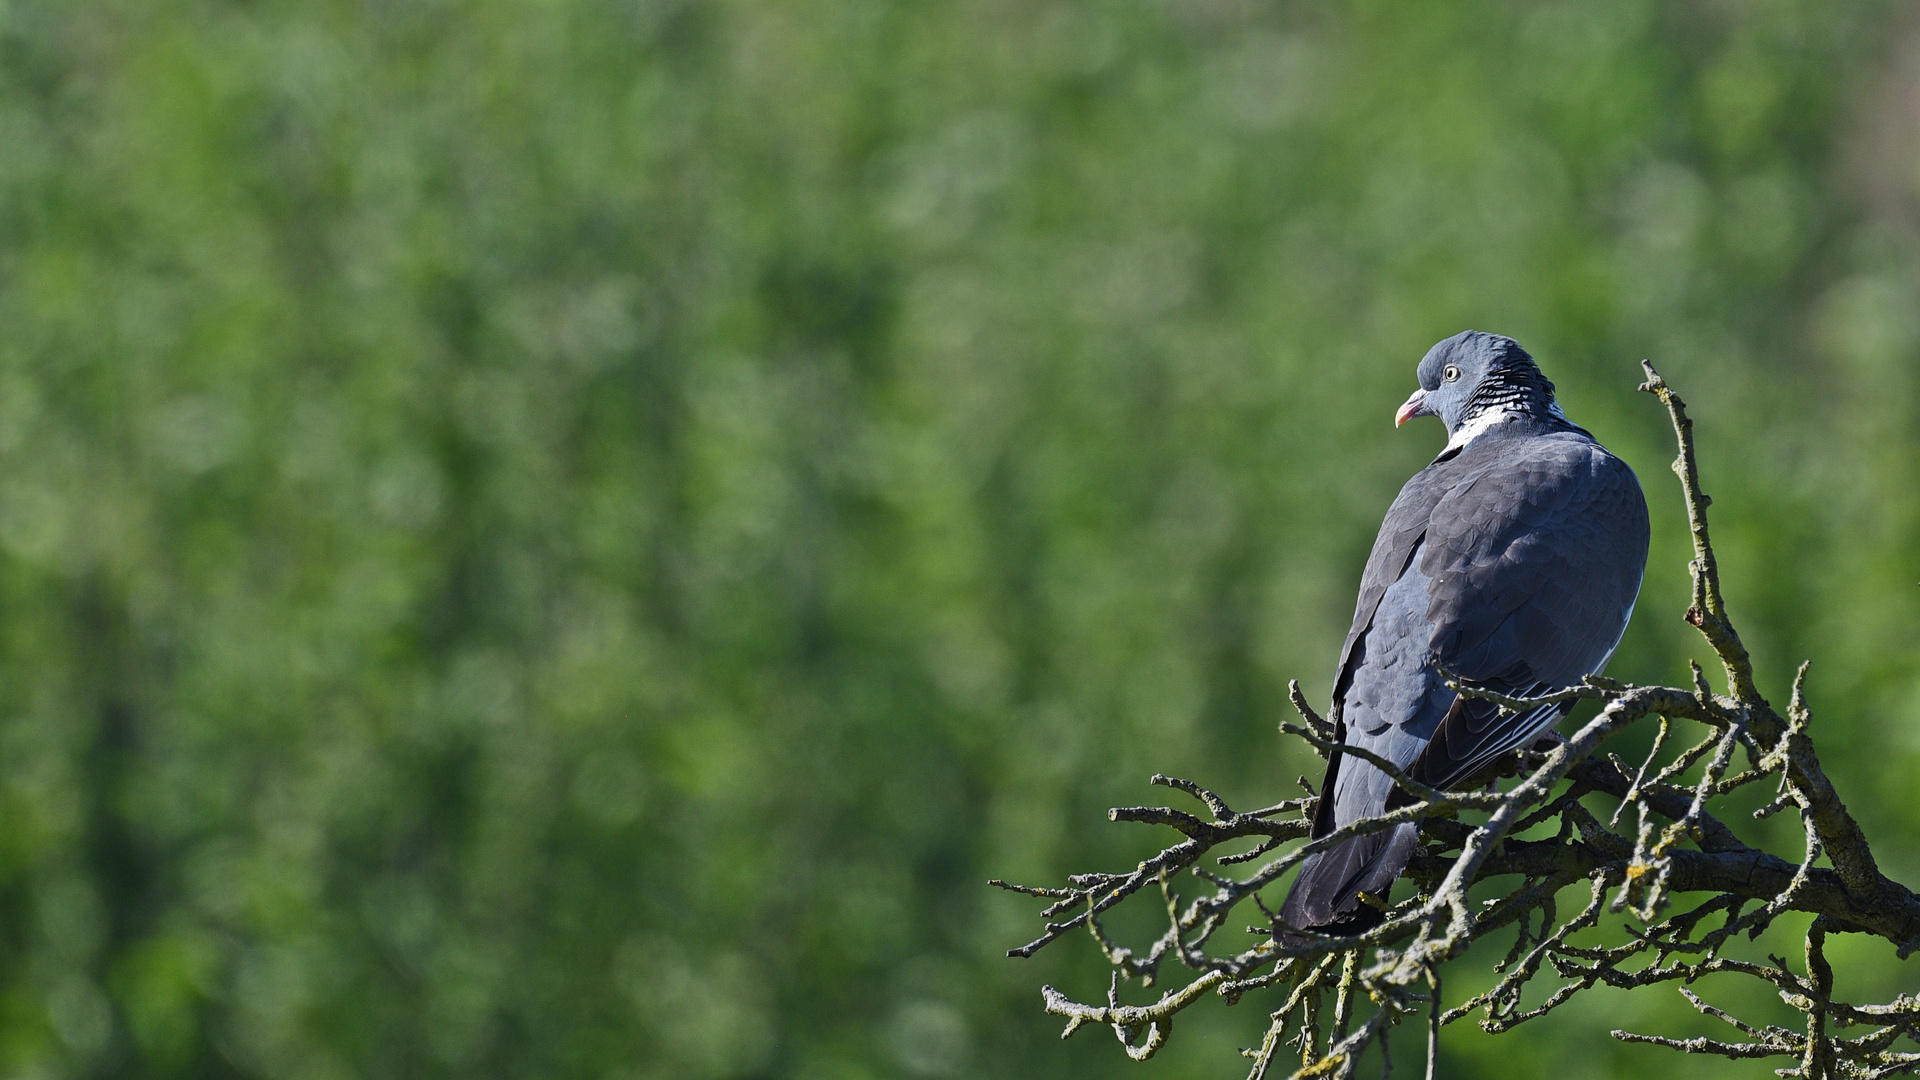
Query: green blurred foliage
point(570, 538)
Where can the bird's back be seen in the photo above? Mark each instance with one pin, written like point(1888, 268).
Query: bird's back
point(1512, 563)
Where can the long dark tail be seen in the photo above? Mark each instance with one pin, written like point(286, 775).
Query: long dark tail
point(1326, 896)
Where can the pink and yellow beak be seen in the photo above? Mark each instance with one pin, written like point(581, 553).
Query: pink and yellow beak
point(1415, 406)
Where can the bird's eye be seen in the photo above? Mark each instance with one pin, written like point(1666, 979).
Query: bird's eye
point(1451, 373)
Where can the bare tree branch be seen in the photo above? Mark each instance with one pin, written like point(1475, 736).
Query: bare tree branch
point(1676, 849)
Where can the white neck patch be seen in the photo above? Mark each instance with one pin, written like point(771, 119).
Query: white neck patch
point(1479, 425)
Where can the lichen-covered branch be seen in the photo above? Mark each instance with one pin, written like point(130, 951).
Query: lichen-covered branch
point(1676, 848)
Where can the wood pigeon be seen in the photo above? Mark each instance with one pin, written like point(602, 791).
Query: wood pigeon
point(1511, 562)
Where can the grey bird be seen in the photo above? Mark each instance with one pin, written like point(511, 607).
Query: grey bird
point(1511, 563)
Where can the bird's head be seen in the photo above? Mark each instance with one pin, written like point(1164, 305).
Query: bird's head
point(1473, 372)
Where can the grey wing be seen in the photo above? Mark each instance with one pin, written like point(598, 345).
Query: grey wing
point(1400, 536)
point(1393, 697)
point(1534, 572)
point(1391, 560)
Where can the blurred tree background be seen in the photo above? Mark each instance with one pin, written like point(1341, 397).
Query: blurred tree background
point(569, 538)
